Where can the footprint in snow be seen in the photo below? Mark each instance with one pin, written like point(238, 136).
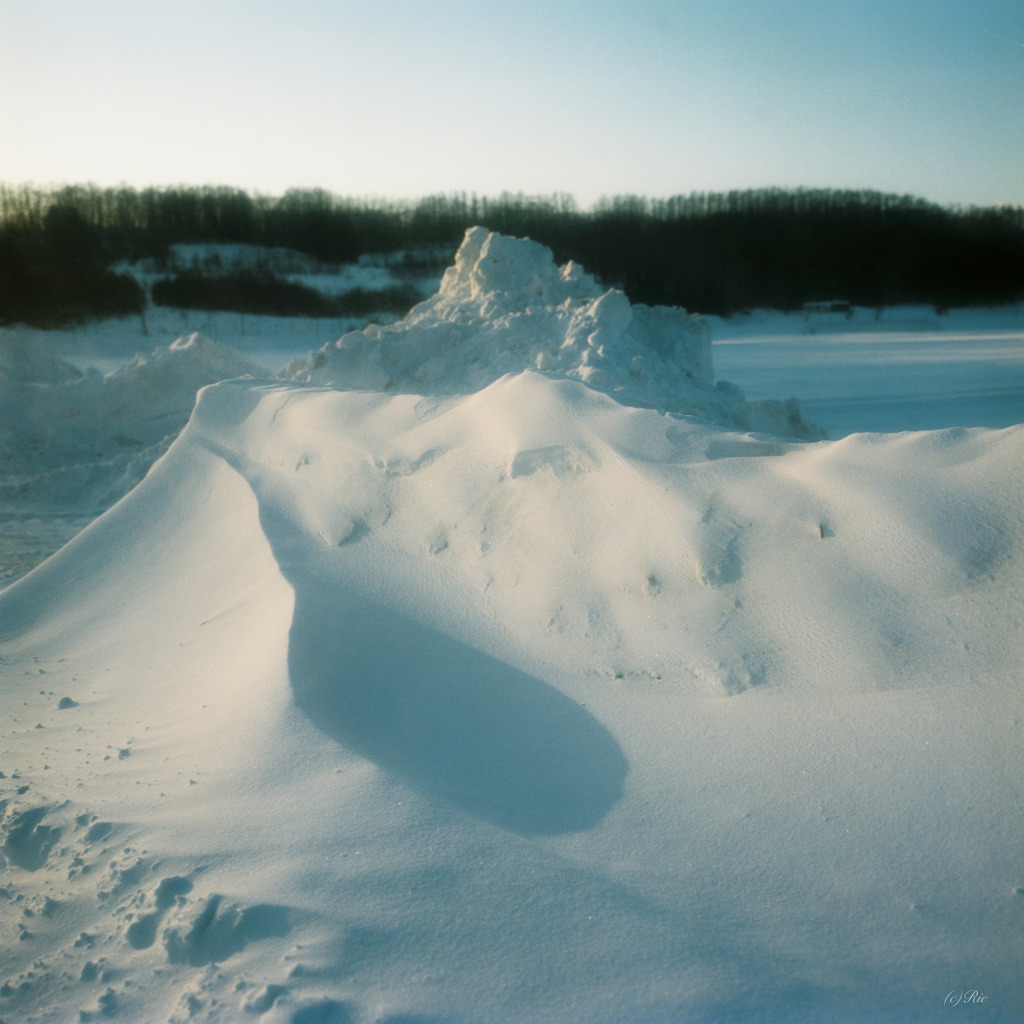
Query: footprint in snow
point(27, 842)
point(141, 932)
point(718, 553)
point(557, 459)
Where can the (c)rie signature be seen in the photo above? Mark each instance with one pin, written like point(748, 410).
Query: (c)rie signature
point(965, 997)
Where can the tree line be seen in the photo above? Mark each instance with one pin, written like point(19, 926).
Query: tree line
point(712, 252)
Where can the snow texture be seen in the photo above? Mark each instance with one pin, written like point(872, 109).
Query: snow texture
point(461, 674)
point(84, 440)
point(504, 307)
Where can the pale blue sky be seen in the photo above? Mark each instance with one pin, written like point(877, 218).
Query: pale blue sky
point(592, 97)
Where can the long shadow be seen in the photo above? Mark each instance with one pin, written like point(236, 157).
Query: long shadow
point(494, 741)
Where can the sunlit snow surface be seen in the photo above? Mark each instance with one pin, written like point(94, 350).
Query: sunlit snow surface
point(491, 692)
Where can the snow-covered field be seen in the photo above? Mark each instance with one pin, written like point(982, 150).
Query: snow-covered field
point(500, 665)
point(905, 368)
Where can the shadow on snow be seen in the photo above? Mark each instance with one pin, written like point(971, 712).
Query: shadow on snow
point(493, 741)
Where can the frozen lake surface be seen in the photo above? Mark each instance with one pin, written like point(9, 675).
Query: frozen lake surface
point(857, 380)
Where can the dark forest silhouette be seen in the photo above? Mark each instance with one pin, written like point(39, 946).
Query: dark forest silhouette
point(709, 252)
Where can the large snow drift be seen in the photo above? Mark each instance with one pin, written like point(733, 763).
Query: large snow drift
point(521, 696)
point(71, 444)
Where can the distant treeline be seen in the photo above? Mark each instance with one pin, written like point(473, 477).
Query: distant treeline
point(709, 252)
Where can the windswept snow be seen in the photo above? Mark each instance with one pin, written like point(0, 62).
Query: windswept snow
point(465, 672)
point(83, 440)
point(74, 443)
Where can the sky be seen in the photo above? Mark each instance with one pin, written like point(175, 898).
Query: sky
point(406, 98)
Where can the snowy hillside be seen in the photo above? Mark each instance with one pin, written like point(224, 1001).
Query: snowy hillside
point(499, 666)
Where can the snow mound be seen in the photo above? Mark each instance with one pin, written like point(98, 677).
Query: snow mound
point(73, 444)
point(504, 307)
point(81, 442)
point(525, 704)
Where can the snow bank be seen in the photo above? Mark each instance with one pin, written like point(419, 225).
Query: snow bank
point(504, 307)
point(520, 704)
point(74, 441)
